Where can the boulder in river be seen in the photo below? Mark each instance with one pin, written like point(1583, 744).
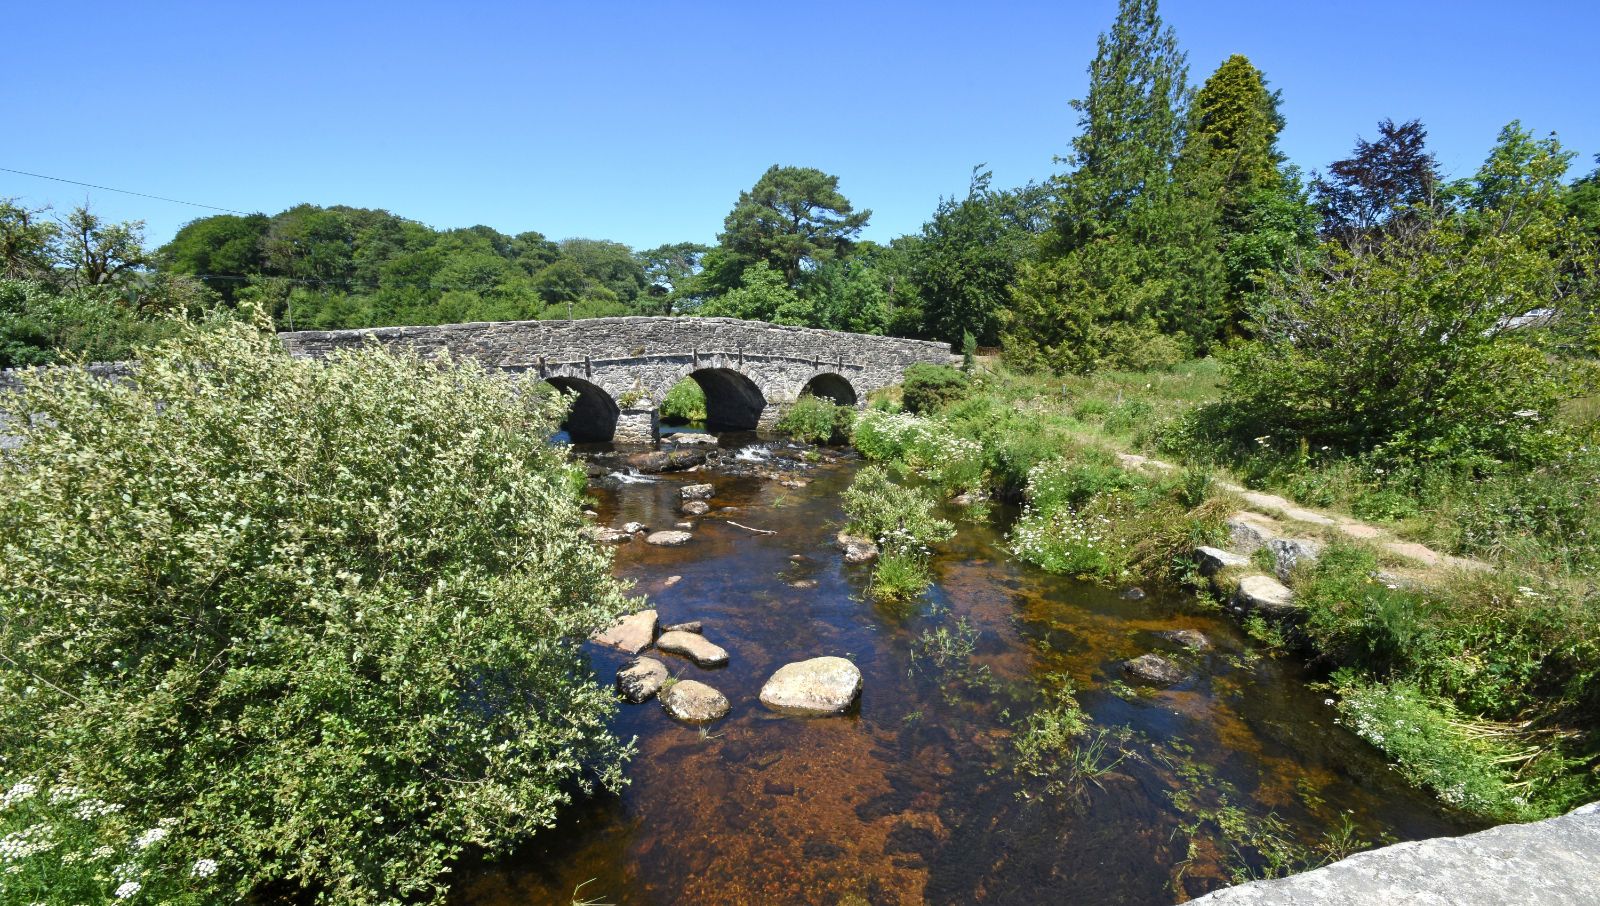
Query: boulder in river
point(1188, 638)
point(1153, 669)
point(696, 491)
point(856, 549)
point(691, 626)
point(694, 701)
point(695, 507)
point(821, 685)
point(691, 439)
point(634, 528)
point(1213, 560)
point(666, 460)
point(694, 647)
point(668, 538)
point(607, 535)
point(641, 678)
point(632, 633)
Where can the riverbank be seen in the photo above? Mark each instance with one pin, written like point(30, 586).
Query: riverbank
point(1490, 670)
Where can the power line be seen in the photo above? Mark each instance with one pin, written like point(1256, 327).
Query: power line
point(91, 185)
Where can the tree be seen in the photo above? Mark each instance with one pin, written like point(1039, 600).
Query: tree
point(668, 270)
point(1131, 272)
point(608, 264)
point(1131, 121)
point(27, 242)
point(793, 218)
point(763, 295)
point(968, 258)
point(1411, 341)
point(97, 253)
point(1233, 133)
point(223, 250)
point(1382, 182)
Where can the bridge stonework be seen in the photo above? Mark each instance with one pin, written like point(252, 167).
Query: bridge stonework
point(621, 368)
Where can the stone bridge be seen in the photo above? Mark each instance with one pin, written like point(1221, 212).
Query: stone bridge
point(620, 369)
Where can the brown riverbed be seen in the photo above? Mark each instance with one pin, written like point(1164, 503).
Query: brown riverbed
point(912, 798)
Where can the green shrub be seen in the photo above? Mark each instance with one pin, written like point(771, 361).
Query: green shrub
point(896, 516)
point(928, 388)
point(817, 420)
point(685, 403)
point(322, 617)
point(899, 576)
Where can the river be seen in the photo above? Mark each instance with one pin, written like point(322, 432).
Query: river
point(912, 797)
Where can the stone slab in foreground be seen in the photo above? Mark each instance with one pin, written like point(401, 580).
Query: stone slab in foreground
point(1555, 862)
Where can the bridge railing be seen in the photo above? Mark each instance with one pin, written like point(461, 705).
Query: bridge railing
point(694, 356)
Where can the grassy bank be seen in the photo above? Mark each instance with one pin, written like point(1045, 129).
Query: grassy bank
point(1484, 688)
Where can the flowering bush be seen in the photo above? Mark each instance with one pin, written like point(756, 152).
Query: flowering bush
point(324, 616)
point(928, 447)
point(900, 519)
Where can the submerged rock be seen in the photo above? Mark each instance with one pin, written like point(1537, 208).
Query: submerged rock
point(632, 633)
point(856, 549)
point(694, 647)
point(821, 685)
point(671, 581)
point(668, 538)
point(695, 507)
point(1188, 638)
point(606, 535)
point(634, 528)
point(1133, 594)
point(694, 701)
point(641, 678)
point(696, 491)
point(1153, 669)
point(803, 583)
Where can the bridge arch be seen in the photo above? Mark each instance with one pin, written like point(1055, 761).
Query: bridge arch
point(593, 416)
point(733, 401)
point(831, 386)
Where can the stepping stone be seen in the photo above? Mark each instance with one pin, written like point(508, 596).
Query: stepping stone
point(696, 491)
point(1266, 501)
point(695, 508)
point(821, 685)
point(1266, 595)
point(632, 634)
point(1213, 560)
point(694, 701)
point(1359, 531)
point(694, 647)
point(668, 538)
point(1299, 514)
point(691, 626)
point(604, 535)
point(641, 678)
point(634, 528)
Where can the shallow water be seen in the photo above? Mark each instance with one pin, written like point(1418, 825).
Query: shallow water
point(912, 798)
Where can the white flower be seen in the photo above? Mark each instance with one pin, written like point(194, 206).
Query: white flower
point(1327, 701)
point(127, 889)
point(204, 868)
point(150, 837)
point(22, 791)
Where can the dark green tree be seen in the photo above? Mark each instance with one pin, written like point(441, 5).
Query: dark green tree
point(969, 256)
point(669, 270)
point(793, 218)
point(223, 251)
point(27, 242)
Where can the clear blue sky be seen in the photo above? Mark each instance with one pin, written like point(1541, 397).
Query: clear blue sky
point(640, 122)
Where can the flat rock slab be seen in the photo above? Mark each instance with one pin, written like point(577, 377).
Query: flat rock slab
point(641, 678)
point(1266, 595)
point(605, 535)
point(1266, 501)
point(667, 460)
point(694, 701)
point(1359, 531)
point(696, 491)
point(1249, 531)
point(1301, 514)
point(668, 538)
point(1213, 560)
point(632, 633)
point(693, 439)
point(821, 685)
point(691, 626)
point(695, 507)
point(1288, 553)
point(694, 647)
point(1550, 862)
point(1153, 669)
